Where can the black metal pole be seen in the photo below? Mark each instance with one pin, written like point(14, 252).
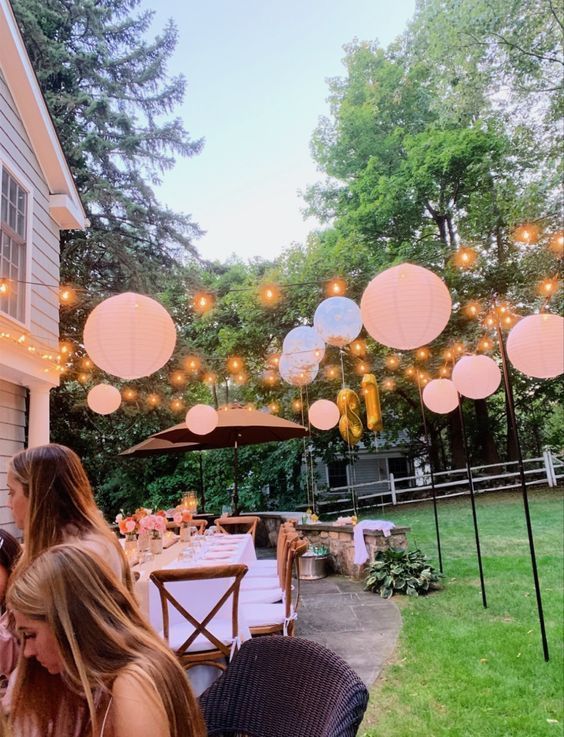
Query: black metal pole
point(202, 486)
point(513, 425)
point(472, 499)
point(432, 475)
point(235, 481)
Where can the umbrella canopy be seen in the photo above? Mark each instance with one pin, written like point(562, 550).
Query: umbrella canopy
point(235, 427)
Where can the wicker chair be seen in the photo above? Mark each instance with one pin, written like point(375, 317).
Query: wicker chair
point(236, 524)
point(285, 687)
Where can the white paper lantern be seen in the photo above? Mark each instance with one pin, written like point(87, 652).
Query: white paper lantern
point(405, 307)
point(535, 346)
point(304, 346)
point(201, 419)
point(296, 375)
point(103, 399)
point(129, 336)
point(440, 396)
point(476, 377)
point(324, 414)
point(338, 321)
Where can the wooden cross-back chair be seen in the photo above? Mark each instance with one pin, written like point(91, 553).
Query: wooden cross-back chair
point(199, 640)
point(235, 524)
point(200, 524)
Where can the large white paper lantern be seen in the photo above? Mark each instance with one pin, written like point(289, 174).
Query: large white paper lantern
point(405, 307)
point(535, 346)
point(304, 346)
point(129, 336)
point(440, 396)
point(324, 414)
point(103, 399)
point(201, 419)
point(296, 375)
point(338, 321)
point(476, 377)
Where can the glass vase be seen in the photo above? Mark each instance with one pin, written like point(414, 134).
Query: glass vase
point(156, 544)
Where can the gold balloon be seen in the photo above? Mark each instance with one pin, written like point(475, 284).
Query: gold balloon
point(350, 424)
point(372, 401)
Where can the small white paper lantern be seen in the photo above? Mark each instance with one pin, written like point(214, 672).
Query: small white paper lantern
point(103, 399)
point(295, 375)
point(304, 346)
point(324, 414)
point(535, 346)
point(440, 396)
point(338, 321)
point(405, 307)
point(201, 419)
point(476, 377)
point(129, 336)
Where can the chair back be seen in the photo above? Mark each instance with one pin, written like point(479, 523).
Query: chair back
point(198, 621)
point(285, 687)
point(235, 524)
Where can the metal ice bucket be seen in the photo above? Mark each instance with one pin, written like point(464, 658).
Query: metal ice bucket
point(313, 566)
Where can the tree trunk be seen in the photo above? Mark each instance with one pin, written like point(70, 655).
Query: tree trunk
point(458, 456)
point(485, 437)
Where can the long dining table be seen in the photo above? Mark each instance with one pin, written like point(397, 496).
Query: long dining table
point(198, 597)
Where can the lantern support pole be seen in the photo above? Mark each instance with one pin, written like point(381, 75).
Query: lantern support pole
point(351, 459)
point(472, 499)
point(310, 457)
point(202, 487)
point(513, 425)
point(235, 500)
point(308, 498)
point(432, 475)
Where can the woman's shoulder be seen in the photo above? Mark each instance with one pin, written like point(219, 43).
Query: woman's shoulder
point(137, 707)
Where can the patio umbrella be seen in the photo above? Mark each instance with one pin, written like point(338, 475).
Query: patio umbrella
point(235, 427)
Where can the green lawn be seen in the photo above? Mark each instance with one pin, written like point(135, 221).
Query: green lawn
point(461, 670)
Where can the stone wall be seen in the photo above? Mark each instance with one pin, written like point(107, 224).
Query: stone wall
point(340, 542)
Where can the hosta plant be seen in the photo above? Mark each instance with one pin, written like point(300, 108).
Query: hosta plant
point(401, 572)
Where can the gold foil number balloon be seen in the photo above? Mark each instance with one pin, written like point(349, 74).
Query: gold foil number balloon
point(372, 402)
point(350, 424)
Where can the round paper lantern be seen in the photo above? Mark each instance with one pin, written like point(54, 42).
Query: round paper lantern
point(103, 399)
point(405, 307)
point(129, 336)
point(535, 346)
point(338, 321)
point(324, 414)
point(476, 377)
point(440, 396)
point(201, 419)
point(304, 346)
point(296, 375)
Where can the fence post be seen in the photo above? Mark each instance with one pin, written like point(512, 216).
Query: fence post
point(393, 489)
point(547, 468)
point(551, 464)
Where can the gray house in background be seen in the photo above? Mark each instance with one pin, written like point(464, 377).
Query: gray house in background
point(38, 199)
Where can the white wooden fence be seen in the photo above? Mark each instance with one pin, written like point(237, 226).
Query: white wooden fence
point(546, 470)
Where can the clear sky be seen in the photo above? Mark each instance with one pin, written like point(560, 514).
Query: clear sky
point(257, 72)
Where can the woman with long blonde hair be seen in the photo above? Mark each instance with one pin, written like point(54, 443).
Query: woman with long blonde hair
point(91, 665)
point(52, 502)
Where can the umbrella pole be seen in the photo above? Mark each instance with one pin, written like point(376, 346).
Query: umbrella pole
point(235, 500)
point(202, 488)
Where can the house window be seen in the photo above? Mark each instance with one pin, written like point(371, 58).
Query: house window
point(13, 218)
point(337, 471)
point(399, 467)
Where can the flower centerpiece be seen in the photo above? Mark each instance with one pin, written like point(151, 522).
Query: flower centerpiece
point(183, 518)
point(155, 526)
point(128, 527)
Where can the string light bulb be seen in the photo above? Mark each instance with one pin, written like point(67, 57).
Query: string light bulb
point(129, 394)
point(331, 372)
point(297, 405)
point(548, 287)
point(273, 360)
point(4, 288)
point(528, 233)
point(203, 302)
point(67, 296)
point(274, 408)
point(444, 372)
point(153, 400)
point(422, 354)
point(392, 361)
point(192, 364)
point(485, 344)
point(210, 378)
point(358, 347)
point(270, 295)
point(235, 364)
point(336, 287)
point(465, 257)
point(472, 309)
point(556, 243)
point(176, 405)
point(389, 385)
point(178, 378)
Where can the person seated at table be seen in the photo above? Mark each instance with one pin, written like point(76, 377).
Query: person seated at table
point(52, 502)
point(91, 665)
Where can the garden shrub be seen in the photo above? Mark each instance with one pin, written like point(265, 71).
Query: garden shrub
point(401, 572)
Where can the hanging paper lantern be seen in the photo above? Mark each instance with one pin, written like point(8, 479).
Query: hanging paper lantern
point(338, 321)
point(129, 336)
point(201, 419)
point(324, 414)
point(535, 346)
point(103, 399)
point(476, 377)
point(440, 396)
point(405, 307)
point(304, 346)
point(296, 375)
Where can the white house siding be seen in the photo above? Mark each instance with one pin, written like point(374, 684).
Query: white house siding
point(12, 436)
point(17, 155)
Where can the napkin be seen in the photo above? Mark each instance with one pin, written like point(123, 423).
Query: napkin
point(212, 555)
point(169, 539)
point(360, 552)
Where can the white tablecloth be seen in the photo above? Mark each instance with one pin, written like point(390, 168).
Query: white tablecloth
point(198, 597)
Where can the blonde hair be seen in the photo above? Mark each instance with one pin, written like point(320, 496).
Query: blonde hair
point(60, 499)
point(100, 631)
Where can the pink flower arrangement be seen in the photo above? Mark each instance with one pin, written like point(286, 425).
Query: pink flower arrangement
point(153, 523)
point(182, 517)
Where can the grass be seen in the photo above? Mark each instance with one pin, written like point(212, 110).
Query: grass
point(464, 671)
